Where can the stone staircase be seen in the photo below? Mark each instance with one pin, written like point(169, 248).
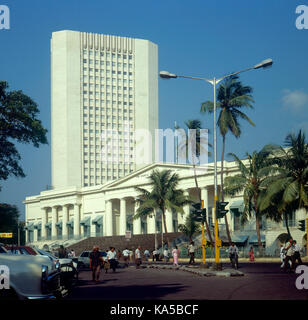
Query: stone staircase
point(146, 241)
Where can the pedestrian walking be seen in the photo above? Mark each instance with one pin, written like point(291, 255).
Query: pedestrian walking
point(251, 255)
point(96, 261)
point(146, 254)
point(62, 253)
point(297, 254)
point(233, 255)
point(175, 254)
point(282, 255)
point(166, 255)
point(111, 256)
point(191, 251)
point(289, 249)
point(138, 257)
point(126, 253)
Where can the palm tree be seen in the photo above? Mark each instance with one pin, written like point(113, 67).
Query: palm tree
point(191, 227)
point(231, 97)
point(249, 182)
point(287, 188)
point(194, 142)
point(163, 196)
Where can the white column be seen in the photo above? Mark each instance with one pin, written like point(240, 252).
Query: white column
point(53, 223)
point(136, 223)
point(122, 217)
point(186, 208)
point(151, 223)
point(64, 221)
point(169, 221)
point(76, 221)
point(44, 221)
point(35, 231)
point(205, 198)
point(109, 225)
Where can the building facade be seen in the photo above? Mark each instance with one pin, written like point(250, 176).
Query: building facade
point(103, 90)
point(107, 210)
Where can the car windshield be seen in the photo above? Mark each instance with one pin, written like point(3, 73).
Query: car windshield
point(85, 254)
point(45, 253)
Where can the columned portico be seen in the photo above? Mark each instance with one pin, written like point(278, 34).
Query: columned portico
point(122, 216)
point(76, 220)
point(109, 222)
point(54, 220)
point(186, 207)
point(151, 223)
point(136, 222)
point(44, 221)
point(64, 221)
point(205, 198)
point(169, 221)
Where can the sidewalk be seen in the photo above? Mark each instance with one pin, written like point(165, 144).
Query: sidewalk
point(226, 260)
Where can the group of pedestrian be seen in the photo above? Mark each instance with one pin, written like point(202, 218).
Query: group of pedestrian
point(289, 255)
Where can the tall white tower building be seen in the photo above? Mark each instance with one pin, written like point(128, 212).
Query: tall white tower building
point(104, 89)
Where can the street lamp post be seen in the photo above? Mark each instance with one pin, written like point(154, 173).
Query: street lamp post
point(167, 75)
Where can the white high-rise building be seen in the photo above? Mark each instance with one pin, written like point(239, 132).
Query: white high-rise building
point(104, 89)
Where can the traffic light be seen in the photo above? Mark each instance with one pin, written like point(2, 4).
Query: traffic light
point(199, 213)
point(220, 209)
point(302, 225)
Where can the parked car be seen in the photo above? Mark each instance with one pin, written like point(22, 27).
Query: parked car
point(84, 259)
point(30, 276)
point(68, 268)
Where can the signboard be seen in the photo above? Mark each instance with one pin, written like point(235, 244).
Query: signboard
point(6, 235)
point(128, 235)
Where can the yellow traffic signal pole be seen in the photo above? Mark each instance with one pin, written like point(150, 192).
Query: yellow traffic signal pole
point(216, 232)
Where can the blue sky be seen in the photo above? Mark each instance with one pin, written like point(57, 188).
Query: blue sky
point(199, 38)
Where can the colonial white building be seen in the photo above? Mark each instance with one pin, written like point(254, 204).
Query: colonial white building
point(106, 210)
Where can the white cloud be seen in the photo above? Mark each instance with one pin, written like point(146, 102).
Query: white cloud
point(295, 101)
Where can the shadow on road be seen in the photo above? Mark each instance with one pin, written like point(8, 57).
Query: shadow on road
point(87, 290)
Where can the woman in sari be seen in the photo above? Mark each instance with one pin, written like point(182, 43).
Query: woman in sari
point(175, 254)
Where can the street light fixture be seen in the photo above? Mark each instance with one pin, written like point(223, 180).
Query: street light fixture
point(167, 75)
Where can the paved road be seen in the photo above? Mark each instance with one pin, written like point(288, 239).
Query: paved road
point(262, 281)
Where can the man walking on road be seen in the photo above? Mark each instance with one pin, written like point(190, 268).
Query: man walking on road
point(138, 257)
point(95, 263)
point(111, 258)
point(289, 248)
point(296, 255)
point(126, 256)
point(191, 251)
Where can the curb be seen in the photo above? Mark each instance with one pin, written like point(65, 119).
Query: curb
point(198, 271)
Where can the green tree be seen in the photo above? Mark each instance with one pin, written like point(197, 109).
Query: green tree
point(249, 182)
point(193, 142)
point(18, 122)
point(191, 227)
point(287, 188)
point(231, 97)
point(9, 222)
point(163, 196)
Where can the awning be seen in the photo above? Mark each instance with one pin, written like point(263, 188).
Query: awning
point(85, 221)
point(254, 239)
point(30, 226)
point(48, 225)
point(59, 224)
point(237, 207)
point(70, 223)
point(98, 220)
point(38, 226)
point(239, 238)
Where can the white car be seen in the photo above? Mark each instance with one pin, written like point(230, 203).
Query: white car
point(29, 276)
